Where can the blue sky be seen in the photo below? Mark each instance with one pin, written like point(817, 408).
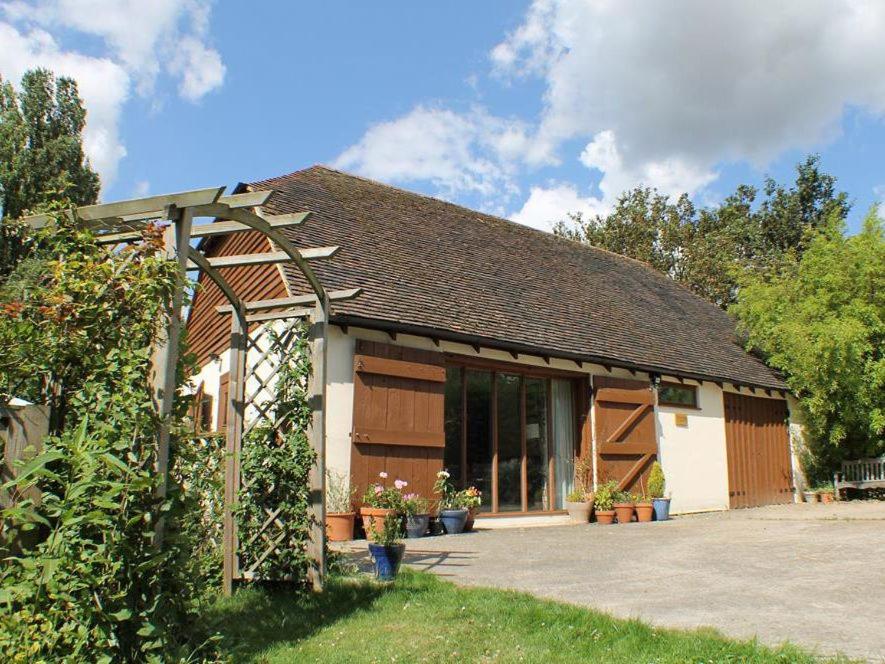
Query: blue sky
point(524, 109)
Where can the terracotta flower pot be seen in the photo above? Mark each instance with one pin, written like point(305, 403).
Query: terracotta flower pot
point(374, 515)
point(827, 497)
point(605, 516)
point(624, 512)
point(471, 519)
point(644, 511)
point(578, 512)
point(339, 526)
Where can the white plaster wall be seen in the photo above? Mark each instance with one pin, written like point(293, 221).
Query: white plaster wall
point(339, 400)
point(694, 457)
point(209, 377)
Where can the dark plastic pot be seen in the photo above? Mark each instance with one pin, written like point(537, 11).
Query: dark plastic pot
point(453, 520)
point(387, 560)
point(662, 509)
point(416, 525)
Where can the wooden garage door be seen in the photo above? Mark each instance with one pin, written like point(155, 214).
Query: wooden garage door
point(398, 423)
point(626, 442)
point(758, 446)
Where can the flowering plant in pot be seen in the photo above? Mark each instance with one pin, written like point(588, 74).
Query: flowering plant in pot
point(624, 506)
point(471, 498)
point(417, 511)
point(579, 501)
point(656, 486)
point(381, 500)
point(339, 507)
point(452, 513)
point(604, 500)
point(386, 547)
point(827, 493)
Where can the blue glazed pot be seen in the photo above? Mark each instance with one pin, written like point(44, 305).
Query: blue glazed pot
point(662, 508)
point(387, 560)
point(416, 525)
point(453, 520)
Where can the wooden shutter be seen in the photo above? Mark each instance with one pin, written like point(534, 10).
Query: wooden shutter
point(223, 391)
point(398, 423)
point(626, 439)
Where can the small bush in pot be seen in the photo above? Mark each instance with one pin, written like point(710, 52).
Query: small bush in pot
point(624, 506)
point(656, 488)
point(452, 513)
point(417, 511)
point(579, 501)
point(604, 500)
point(339, 507)
point(827, 493)
point(471, 498)
point(386, 546)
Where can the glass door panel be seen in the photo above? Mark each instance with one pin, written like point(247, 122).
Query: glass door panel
point(453, 425)
point(509, 443)
point(536, 444)
point(479, 433)
point(564, 426)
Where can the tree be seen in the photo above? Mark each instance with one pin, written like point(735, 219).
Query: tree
point(820, 319)
point(708, 250)
point(41, 145)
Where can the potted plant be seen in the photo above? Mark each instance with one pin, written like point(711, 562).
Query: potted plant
point(656, 486)
point(452, 514)
point(624, 506)
point(386, 547)
point(339, 507)
point(379, 501)
point(604, 499)
point(417, 514)
point(811, 496)
point(827, 493)
point(471, 498)
point(579, 501)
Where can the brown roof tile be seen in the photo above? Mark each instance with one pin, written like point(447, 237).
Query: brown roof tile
point(431, 266)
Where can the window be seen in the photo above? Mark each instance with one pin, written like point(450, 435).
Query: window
point(512, 434)
point(673, 394)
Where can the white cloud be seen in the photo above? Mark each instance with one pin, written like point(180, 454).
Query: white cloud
point(140, 41)
point(695, 81)
point(547, 205)
point(458, 152)
point(141, 189)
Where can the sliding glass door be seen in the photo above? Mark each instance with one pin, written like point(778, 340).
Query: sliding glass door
point(512, 435)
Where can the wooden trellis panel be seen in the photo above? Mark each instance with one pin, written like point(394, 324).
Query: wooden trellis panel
point(264, 348)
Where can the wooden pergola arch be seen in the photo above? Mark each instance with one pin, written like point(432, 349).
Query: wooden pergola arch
point(125, 221)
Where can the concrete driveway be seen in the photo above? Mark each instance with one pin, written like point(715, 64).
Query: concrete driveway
point(810, 574)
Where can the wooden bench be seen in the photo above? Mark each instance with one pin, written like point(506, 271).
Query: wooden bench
point(860, 474)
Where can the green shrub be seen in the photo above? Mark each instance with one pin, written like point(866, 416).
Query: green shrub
point(656, 482)
point(605, 496)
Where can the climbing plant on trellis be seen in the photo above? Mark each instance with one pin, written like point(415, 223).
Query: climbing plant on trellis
point(273, 519)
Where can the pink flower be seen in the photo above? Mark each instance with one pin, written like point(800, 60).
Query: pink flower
point(378, 489)
point(382, 475)
point(400, 484)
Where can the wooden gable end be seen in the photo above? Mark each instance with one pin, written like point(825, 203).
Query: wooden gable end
point(208, 332)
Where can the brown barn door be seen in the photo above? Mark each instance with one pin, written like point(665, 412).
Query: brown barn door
point(626, 441)
point(757, 443)
point(398, 424)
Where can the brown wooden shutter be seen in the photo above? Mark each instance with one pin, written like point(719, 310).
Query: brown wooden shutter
point(223, 391)
point(398, 415)
point(626, 439)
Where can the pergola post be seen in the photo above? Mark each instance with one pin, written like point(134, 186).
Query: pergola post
point(317, 435)
point(176, 243)
point(233, 445)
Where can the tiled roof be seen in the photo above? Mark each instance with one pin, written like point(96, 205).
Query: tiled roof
point(430, 266)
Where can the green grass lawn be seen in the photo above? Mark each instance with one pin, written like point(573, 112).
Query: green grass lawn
point(423, 619)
